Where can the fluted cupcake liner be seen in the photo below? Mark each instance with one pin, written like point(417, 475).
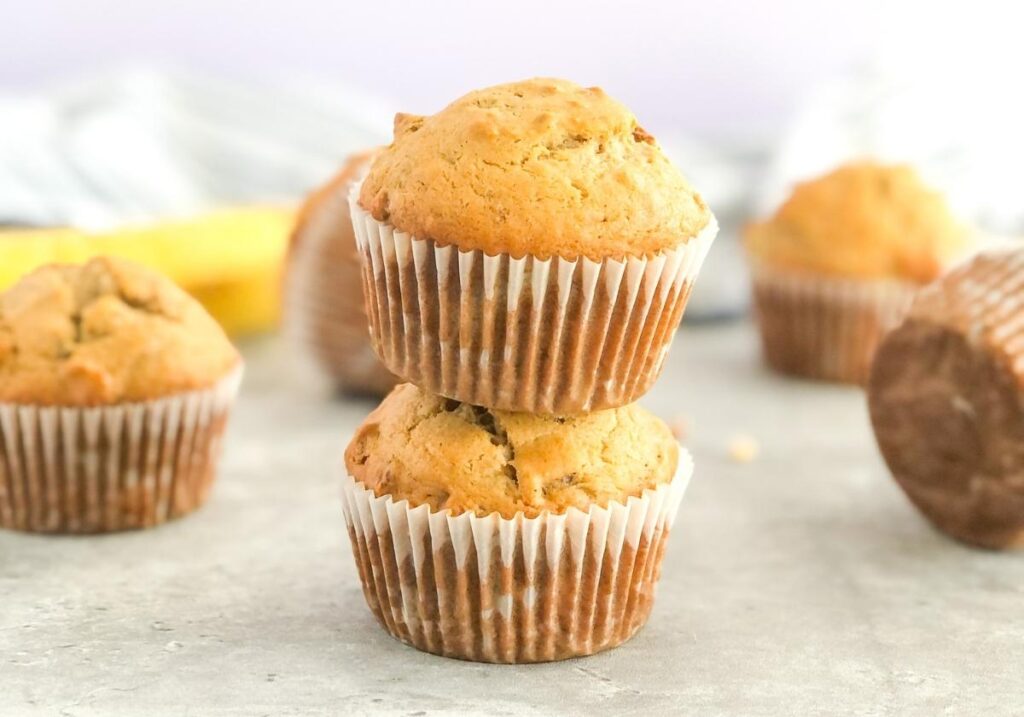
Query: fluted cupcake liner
point(325, 316)
point(824, 327)
point(110, 468)
point(495, 589)
point(551, 336)
point(946, 399)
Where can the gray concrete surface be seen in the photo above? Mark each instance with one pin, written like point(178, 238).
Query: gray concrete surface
point(801, 583)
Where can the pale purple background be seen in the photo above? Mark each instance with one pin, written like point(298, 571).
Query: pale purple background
point(714, 68)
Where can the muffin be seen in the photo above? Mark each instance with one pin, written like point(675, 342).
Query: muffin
point(510, 537)
point(324, 305)
point(528, 248)
point(947, 401)
point(838, 263)
point(115, 388)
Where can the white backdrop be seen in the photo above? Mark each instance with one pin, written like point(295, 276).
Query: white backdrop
point(713, 67)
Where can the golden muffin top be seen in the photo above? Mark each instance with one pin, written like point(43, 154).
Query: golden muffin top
point(450, 455)
point(862, 220)
point(542, 167)
point(104, 332)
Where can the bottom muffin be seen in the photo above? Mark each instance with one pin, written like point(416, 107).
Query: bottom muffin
point(510, 537)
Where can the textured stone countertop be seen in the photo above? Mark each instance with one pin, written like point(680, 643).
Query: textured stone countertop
point(801, 583)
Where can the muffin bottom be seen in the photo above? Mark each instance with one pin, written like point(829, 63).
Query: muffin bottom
point(517, 590)
point(824, 328)
point(110, 468)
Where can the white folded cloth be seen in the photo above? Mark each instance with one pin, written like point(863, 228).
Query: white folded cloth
point(140, 145)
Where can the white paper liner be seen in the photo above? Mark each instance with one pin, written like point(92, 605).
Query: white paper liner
point(552, 336)
point(824, 328)
point(109, 468)
point(523, 589)
point(325, 318)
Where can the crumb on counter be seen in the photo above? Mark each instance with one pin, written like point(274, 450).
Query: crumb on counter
point(680, 426)
point(743, 448)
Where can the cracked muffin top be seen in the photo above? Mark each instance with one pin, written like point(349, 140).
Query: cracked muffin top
point(105, 332)
point(450, 455)
point(863, 220)
point(541, 167)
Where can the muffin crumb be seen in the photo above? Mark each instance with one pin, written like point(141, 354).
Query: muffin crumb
point(743, 448)
point(680, 426)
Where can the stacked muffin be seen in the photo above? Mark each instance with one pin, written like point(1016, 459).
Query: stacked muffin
point(527, 255)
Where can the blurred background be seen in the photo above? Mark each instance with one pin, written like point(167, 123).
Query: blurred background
point(184, 134)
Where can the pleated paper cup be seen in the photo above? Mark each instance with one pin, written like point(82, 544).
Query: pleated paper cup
point(946, 399)
point(326, 319)
point(493, 589)
point(551, 336)
point(110, 468)
point(823, 327)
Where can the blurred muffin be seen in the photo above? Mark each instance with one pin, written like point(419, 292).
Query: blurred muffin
point(510, 537)
point(839, 261)
point(530, 248)
point(947, 401)
point(325, 309)
point(115, 388)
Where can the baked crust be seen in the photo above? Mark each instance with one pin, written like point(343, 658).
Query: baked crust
point(104, 332)
point(863, 220)
point(542, 167)
point(449, 455)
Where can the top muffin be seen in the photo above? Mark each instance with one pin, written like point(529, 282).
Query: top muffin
point(105, 332)
point(434, 451)
point(542, 167)
point(863, 220)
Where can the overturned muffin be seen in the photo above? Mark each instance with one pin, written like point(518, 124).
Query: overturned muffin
point(947, 401)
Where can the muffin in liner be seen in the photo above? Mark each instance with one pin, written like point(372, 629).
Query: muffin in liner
point(551, 336)
point(947, 401)
point(494, 589)
point(824, 327)
point(325, 315)
point(109, 468)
